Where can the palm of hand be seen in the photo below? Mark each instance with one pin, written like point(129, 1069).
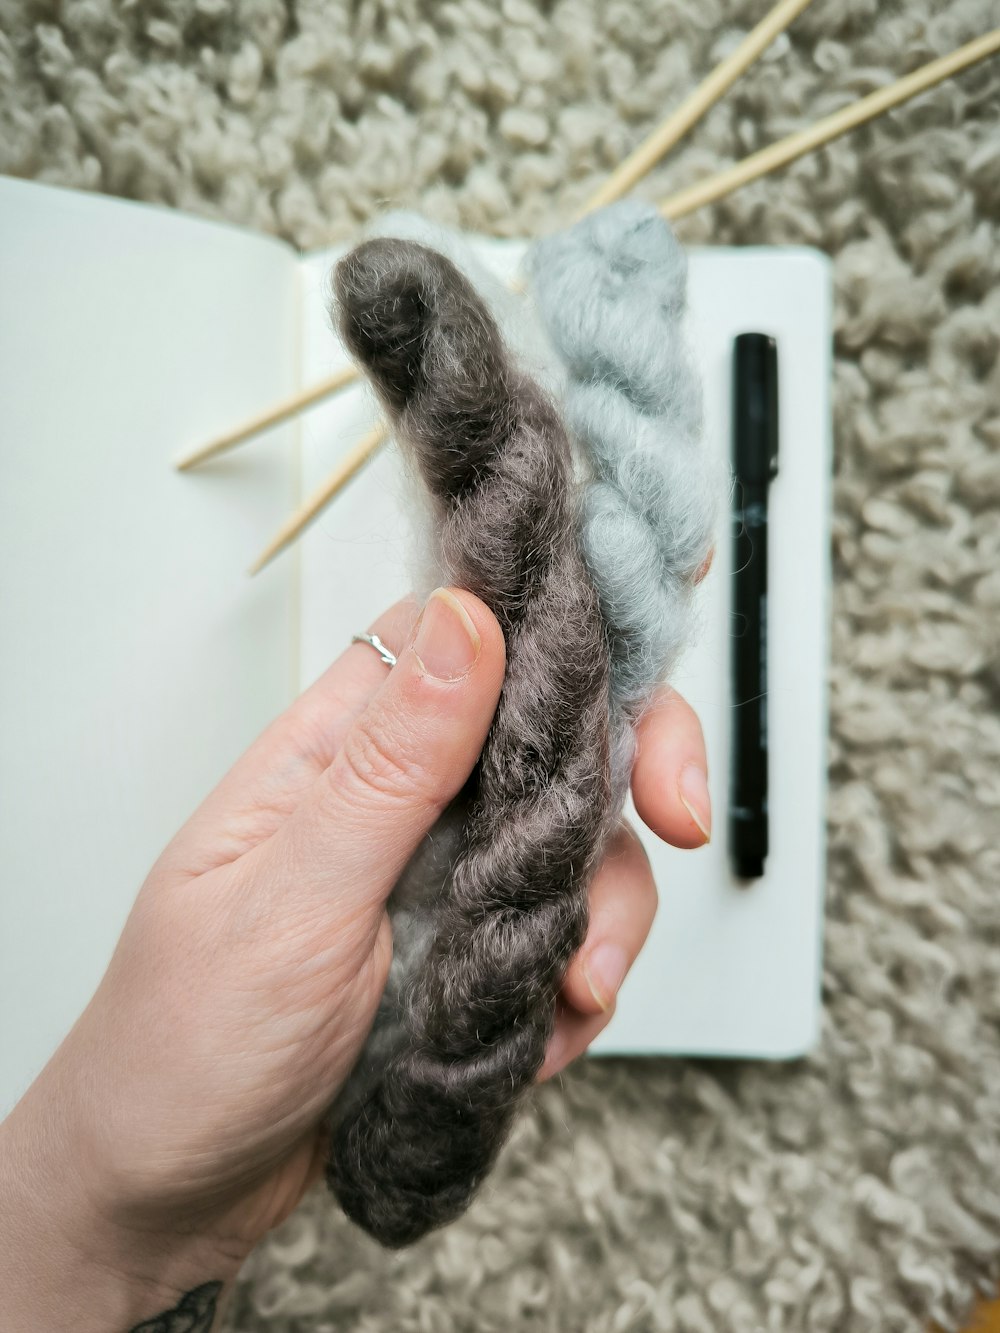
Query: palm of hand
point(250, 969)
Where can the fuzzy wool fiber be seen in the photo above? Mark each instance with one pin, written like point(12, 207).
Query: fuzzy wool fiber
point(469, 1024)
point(857, 1189)
point(611, 292)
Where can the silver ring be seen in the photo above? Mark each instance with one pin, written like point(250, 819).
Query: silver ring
point(373, 641)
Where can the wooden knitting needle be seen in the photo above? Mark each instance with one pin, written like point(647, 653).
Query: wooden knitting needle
point(618, 184)
point(352, 463)
point(831, 127)
point(277, 412)
point(691, 110)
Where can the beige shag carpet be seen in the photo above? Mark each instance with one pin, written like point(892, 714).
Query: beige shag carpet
point(860, 1188)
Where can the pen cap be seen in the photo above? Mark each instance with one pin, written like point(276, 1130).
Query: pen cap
point(755, 407)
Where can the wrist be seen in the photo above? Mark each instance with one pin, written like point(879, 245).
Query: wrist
point(69, 1257)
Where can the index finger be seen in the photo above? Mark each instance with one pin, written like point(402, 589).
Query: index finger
point(266, 784)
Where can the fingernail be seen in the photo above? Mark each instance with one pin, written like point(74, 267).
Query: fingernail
point(447, 643)
point(605, 970)
point(693, 791)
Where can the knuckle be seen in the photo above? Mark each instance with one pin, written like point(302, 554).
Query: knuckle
point(652, 900)
point(625, 842)
point(644, 880)
point(635, 869)
point(628, 852)
point(377, 763)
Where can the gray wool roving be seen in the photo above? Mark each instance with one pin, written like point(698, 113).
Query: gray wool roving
point(523, 334)
point(499, 920)
point(612, 293)
point(518, 320)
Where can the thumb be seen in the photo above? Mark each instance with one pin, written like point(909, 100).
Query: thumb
point(403, 760)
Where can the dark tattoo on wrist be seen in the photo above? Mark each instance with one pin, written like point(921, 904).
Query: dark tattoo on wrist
point(193, 1313)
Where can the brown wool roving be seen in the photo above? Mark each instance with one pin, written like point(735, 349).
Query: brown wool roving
point(412, 1139)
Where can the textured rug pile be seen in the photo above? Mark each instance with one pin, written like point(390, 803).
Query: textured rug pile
point(858, 1189)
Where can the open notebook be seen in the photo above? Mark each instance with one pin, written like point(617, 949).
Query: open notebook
point(137, 659)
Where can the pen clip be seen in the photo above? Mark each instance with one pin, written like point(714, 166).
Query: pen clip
point(772, 388)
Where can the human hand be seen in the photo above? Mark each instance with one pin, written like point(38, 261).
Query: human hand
point(179, 1120)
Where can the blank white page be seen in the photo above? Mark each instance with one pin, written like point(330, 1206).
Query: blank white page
point(137, 659)
point(728, 970)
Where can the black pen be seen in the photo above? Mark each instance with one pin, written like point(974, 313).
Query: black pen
point(755, 463)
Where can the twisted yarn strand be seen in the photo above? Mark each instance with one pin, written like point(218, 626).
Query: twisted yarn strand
point(611, 292)
point(479, 1010)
